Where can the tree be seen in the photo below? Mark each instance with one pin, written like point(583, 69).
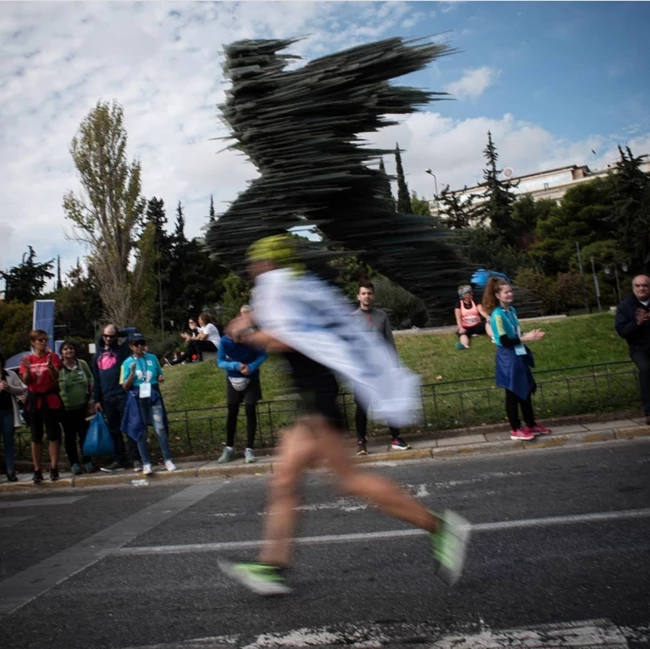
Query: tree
point(387, 192)
point(526, 213)
point(457, 213)
point(59, 283)
point(15, 324)
point(403, 196)
point(25, 282)
point(78, 305)
point(495, 206)
point(420, 205)
point(631, 210)
point(108, 213)
point(211, 215)
point(236, 293)
point(162, 256)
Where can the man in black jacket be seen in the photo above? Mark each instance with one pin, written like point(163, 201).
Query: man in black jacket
point(633, 323)
point(108, 395)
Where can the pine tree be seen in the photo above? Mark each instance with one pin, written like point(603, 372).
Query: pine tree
point(25, 282)
point(212, 216)
point(495, 207)
point(162, 243)
point(631, 213)
point(59, 283)
point(403, 196)
point(455, 214)
point(387, 192)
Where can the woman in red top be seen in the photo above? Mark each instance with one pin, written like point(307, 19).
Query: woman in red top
point(470, 317)
point(40, 373)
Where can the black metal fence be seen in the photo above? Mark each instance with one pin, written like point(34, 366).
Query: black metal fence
point(450, 404)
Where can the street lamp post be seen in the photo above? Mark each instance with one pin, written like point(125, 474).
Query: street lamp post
point(435, 184)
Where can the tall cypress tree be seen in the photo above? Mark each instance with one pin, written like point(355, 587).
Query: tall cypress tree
point(163, 255)
point(387, 192)
point(212, 215)
point(403, 196)
point(496, 203)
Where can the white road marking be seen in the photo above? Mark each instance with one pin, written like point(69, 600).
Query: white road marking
point(392, 534)
point(26, 585)
point(587, 634)
point(12, 521)
point(40, 502)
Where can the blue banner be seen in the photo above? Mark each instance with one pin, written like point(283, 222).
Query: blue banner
point(44, 318)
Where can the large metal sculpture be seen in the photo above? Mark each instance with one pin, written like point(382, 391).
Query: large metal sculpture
point(302, 130)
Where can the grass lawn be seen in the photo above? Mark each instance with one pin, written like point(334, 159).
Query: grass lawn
point(569, 342)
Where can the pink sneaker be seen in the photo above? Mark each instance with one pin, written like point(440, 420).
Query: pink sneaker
point(538, 430)
point(521, 433)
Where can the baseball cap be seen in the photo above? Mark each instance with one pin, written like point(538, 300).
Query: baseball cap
point(136, 338)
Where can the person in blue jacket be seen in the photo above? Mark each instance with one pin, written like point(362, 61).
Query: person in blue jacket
point(513, 359)
point(242, 365)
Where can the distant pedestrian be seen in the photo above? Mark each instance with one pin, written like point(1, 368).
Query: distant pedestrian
point(471, 318)
point(140, 376)
point(11, 387)
point(75, 384)
point(108, 395)
point(242, 364)
point(513, 359)
point(40, 373)
point(632, 323)
point(376, 320)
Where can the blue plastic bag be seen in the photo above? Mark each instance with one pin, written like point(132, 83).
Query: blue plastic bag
point(98, 439)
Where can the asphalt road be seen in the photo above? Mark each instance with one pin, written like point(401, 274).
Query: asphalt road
point(560, 553)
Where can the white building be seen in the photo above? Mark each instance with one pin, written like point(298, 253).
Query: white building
point(550, 184)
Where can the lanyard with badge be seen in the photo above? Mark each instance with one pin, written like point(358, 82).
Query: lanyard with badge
point(520, 349)
point(144, 390)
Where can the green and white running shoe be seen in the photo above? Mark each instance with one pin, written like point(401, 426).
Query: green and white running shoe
point(261, 578)
point(449, 545)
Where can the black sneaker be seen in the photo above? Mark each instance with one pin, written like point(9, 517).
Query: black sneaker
point(361, 447)
point(11, 476)
point(399, 444)
point(37, 477)
point(54, 475)
point(111, 468)
point(137, 466)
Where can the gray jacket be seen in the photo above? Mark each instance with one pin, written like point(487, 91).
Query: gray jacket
point(378, 320)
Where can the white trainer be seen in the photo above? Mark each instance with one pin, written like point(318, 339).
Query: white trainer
point(170, 466)
point(147, 469)
point(249, 456)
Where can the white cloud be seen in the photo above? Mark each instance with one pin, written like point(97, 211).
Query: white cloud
point(473, 83)
point(161, 61)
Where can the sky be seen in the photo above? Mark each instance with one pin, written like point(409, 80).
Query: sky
point(556, 83)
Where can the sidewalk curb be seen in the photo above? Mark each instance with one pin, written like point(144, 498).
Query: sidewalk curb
point(211, 470)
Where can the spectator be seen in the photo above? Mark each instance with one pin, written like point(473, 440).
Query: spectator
point(470, 317)
point(187, 336)
point(140, 376)
point(632, 323)
point(242, 364)
point(207, 339)
point(513, 359)
point(109, 397)
point(10, 388)
point(40, 373)
point(75, 385)
point(378, 320)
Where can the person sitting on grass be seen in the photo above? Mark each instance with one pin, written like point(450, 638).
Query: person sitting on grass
point(471, 318)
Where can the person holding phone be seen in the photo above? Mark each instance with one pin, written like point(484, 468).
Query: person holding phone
point(40, 373)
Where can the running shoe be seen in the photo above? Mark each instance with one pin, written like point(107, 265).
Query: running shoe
point(261, 578)
point(11, 476)
point(137, 466)
point(147, 469)
point(227, 455)
point(249, 456)
point(54, 475)
point(89, 467)
point(522, 433)
point(537, 430)
point(399, 444)
point(170, 466)
point(75, 469)
point(111, 468)
point(362, 448)
point(449, 545)
point(38, 476)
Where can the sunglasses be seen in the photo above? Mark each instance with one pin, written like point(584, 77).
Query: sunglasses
point(41, 340)
point(139, 343)
point(109, 335)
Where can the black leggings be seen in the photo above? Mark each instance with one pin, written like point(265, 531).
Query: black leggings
point(361, 423)
point(74, 426)
point(512, 410)
point(251, 423)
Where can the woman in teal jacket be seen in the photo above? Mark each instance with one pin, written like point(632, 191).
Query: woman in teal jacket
point(513, 359)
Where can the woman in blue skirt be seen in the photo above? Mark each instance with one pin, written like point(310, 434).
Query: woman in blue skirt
point(514, 360)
